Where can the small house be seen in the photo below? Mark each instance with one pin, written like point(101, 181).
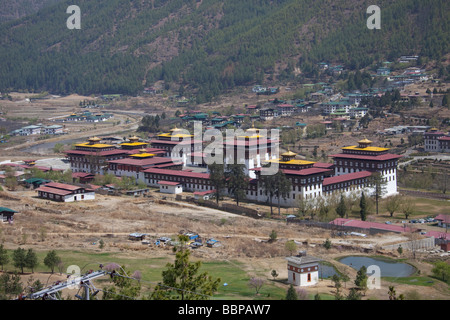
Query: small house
point(303, 270)
point(205, 195)
point(443, 220)
point(6, 214)
point(170, 187)
point(211, 243)
point(137, 236)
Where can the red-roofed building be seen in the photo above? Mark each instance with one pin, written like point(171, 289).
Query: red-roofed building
point(346, 183)
point(431, 140)
point(92, 156)
point(191, 181)
point(170, 187)
point(364, 157)
point(64, 192)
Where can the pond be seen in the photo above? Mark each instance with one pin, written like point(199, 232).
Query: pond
point(326, 271)
point(388, 268)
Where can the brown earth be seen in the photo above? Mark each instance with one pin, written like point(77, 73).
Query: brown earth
point(44, 225)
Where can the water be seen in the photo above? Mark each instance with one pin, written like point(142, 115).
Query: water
point(326, 271)
point(387, 268)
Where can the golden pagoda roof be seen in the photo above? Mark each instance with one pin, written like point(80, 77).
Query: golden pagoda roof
point(293, 162)
point(364, 141)
point(289, 153)
point(173, 133)
point(142, 155)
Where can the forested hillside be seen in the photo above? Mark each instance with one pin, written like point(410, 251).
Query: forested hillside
point(209, 46)
point(15, 9)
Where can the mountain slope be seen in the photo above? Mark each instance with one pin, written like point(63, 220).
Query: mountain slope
point(208, 46)
point(15, 9)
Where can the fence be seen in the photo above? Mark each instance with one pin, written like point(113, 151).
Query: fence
point(336, 227)
point(228, 207)
point(428, 243)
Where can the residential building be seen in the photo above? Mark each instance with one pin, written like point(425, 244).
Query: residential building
point(267, 114)
point(6, 214)
point(170, 187)
point(64, 192)
point(436, 141)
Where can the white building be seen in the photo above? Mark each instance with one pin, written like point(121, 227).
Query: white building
point(436, 141)
point(303, 270)
point(65, 192)
point(170, 187)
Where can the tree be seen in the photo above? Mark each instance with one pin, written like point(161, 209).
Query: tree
point(327, 244)
point(393, 203)
point(282, 186)
point(31, 259)
point(4, 258)
point(182, 280)
point(291, 293)
point(256, 283)
point(407, 207)
point(124, 287)
point(290, 247)
point(274, 274)
point(379, 185)
point(392, 293)
point(237, 181)
point(51, 260)
point(19, 258)
point(353, 295)
point(273, 236)
point(363, 207)
point(336, 279)
point(341, 209)
point(217, 178)
point(267, 183)
point(441, 270)
point(361, 279)
point(10, 286)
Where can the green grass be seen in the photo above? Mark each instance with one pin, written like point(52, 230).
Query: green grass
point(414, 280)
point(230, 272)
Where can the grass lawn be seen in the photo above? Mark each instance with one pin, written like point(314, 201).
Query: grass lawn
point(230, 273)
point(414, 280)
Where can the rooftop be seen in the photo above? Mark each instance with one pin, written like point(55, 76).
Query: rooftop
point(346, 177)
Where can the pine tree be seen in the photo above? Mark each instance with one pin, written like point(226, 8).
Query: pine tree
point(52, 260)
point(19, 258)
point(31, 259)
point(217, 177)
point(363, 207)
point(182, 280)
point(4, 258)
point(341, 209)
point(237, 181)
point(291, 293)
